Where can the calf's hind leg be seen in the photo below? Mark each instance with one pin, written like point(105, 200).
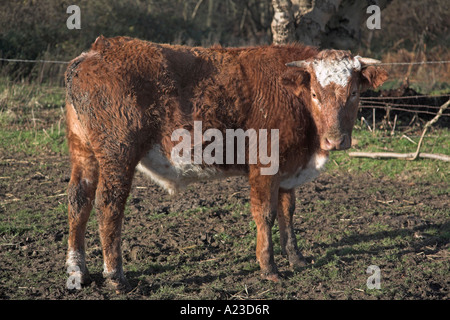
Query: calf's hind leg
point(114, 186)
point(81, 193)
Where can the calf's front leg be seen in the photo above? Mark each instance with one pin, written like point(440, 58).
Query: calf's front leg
point(263, 200)
point(288, 241)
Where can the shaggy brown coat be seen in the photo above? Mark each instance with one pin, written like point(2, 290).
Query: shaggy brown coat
point(126, 96)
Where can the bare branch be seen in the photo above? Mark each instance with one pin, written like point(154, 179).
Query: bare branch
point(405, 156)
point(413, 155)
point(194, 13)
point(429, 124)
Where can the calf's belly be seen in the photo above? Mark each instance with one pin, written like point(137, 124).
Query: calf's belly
point(174, 177)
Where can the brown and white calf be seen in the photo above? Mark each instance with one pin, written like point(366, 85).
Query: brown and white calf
point(126, 98)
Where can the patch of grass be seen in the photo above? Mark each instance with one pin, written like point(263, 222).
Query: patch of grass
point(17, 224)
point(436, 141)
point(31, 118)
point(33, 142)
point(20, 95)
point(27, 220)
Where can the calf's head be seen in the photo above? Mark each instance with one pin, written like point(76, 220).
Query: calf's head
point(329, 85)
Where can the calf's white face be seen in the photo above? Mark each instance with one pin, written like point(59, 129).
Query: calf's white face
point(338, 72)
point(329, 85)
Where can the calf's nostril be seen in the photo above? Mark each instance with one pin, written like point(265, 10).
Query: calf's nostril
point(335, 144)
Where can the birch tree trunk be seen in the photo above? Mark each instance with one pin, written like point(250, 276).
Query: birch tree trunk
point(283, 22)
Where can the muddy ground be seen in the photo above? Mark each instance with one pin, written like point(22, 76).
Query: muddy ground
point(200, 244)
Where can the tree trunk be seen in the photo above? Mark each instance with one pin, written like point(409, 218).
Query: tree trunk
point(312, 21)
point(324, 23)
point(283, 22)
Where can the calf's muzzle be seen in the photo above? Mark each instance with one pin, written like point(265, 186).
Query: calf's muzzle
point(330, 143)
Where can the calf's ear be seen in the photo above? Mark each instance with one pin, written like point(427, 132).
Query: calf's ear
point(295, 79)
point(373, 76)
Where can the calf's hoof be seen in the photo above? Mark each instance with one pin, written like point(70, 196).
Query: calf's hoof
point(118, 286)
point(271, 277)
point(297, 261)
point(78, 276)
point(76, 269)
point(85, 278)
point(270, 273)
point(116, 281)
point(77, 281)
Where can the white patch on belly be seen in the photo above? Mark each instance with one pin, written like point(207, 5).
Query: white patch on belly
point(339, 72)
point(306, 174)
point(175, 177)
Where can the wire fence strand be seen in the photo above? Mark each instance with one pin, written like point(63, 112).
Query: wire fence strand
point(34, 61)
point(408, 97)
point(402, 109)
point(387, 104)
point(410, 63)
